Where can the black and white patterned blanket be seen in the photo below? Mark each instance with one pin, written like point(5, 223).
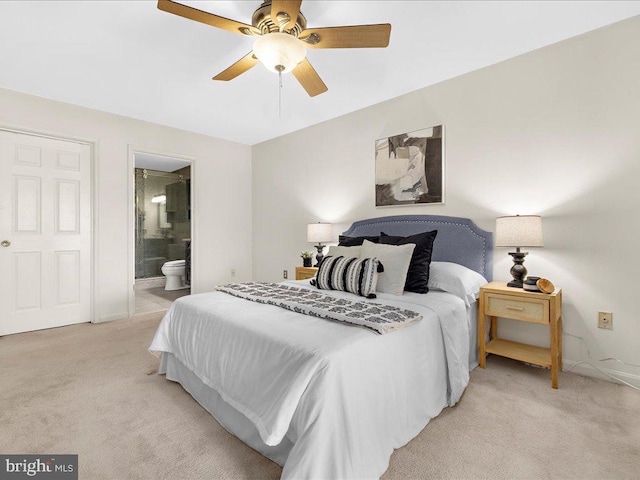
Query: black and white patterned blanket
point(376, 316)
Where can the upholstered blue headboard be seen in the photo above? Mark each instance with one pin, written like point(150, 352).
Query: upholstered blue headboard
point(459, 240)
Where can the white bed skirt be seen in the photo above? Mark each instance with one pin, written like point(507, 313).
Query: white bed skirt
point(231, 420)
point(472, 315)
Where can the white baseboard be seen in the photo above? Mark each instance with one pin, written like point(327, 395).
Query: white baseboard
point(587, 370)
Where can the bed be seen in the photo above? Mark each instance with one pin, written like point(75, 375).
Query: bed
point(321, 398)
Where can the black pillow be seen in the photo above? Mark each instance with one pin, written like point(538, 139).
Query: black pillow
point(418, 274)
point(344, 241)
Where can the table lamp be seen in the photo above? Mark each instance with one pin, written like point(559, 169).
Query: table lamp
point(519, 231)
point(319, 232)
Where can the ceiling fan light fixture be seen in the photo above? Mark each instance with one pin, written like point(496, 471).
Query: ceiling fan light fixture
point(279, 52)
point(282, 38)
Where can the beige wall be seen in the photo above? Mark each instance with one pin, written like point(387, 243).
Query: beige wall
point(222, 200)
point(555, 132)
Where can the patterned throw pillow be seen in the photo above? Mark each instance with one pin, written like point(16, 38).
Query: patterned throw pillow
point(349, 274)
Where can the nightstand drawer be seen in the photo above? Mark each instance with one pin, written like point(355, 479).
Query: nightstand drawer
point(303, 273)
point(527, 310)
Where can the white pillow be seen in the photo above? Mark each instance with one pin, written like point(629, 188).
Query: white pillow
point(337, 251)
point(395, 259)
point(456, 279)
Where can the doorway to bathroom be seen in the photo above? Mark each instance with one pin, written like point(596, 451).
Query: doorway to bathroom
point(162, 231)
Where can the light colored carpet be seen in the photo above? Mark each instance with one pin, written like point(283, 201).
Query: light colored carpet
point(89, 389)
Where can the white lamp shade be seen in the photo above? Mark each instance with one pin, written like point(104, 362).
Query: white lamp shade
point(519, 231)
point(279, 50)
point(319, 232)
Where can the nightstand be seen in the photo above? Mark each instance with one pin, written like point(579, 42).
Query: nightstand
point(499, 301)
point(302, 273)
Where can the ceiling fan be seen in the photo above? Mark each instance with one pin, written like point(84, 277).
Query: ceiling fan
point(282, 39)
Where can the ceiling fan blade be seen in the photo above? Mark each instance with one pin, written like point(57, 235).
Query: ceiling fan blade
point(309, 78)
point(206, 18)
point(356, 36)
point(290, 7)
point(245, 63)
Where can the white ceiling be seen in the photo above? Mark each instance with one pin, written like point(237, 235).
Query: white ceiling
point(129, 58)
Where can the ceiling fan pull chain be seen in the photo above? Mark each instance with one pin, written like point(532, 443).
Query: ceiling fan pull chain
point(280, 94)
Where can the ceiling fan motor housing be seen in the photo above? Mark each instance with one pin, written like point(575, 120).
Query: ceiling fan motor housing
point(262, 20)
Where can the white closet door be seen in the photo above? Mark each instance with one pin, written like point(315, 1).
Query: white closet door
point(45, 233)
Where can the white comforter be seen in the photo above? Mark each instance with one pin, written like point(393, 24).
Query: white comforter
point(344, 395)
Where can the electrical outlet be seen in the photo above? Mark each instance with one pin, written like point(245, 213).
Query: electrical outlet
point(233, 272)
point(605, 320)
point(285, 274)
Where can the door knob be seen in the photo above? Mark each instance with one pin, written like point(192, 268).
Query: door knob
point(5, 243)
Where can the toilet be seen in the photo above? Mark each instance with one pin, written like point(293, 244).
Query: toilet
point(174, 271)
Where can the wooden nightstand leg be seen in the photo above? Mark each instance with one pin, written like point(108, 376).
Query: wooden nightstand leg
point(560, 343)
point(482, 319)
point(554, 351)
point(494, 328)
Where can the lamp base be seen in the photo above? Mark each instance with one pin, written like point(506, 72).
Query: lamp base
point(518, 271)
point(319, 255)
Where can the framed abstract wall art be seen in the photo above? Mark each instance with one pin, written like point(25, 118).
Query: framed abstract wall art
point(410, 168)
